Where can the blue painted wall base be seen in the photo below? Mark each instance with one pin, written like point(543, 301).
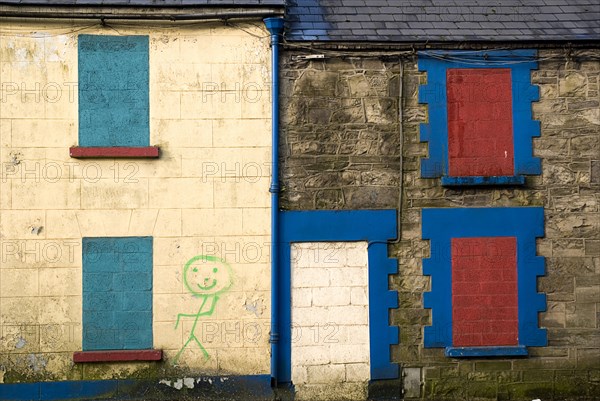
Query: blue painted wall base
point(251, 388)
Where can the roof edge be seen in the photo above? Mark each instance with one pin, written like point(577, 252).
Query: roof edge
point(432, 45)
point(135, 5)
point(138, 12)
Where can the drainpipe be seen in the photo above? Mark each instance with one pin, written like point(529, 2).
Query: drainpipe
point(275, 27)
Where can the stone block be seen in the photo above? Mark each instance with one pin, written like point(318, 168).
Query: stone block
point(331, 373)
point(358, 296)
point(357, 372)
point(493, 366)
point(26, 280)
point(42, 193)
point(519, 391)
point(595, 174)
point(63, 281)
point(311, 355)
point(482, 390)
point(568, 247)
point(411, 382)
point(167, 280)
point(342, 278)
point(592, 247)
point(573, 84)
point(329, 199)
point(302, 297)
point(588, 358)
point(310, 278)
point(60, 310)
point(23, 224)
point(106, 194)
point(211, 222)
point(587, 294)
point(331, 296)
point(317, 83)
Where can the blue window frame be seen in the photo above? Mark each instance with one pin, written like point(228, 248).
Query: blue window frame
point(113, 91)
point(435, 132)
point(117, 293)
point(523, 223)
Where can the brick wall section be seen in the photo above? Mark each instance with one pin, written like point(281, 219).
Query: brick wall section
point(330, 318)
point(330, 151)
point(484, 292)
point(480, 129)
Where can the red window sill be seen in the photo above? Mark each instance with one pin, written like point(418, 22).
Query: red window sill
point(82, 152)
point(117, 355)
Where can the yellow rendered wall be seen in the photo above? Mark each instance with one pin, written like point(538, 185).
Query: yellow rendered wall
point(207, 194)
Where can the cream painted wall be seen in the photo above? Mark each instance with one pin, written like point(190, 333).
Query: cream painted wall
point(206, 195)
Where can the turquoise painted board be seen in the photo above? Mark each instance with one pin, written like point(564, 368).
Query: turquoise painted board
point(113, 91)
point(117, 293)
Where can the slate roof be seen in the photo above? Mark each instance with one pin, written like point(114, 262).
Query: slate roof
point(146, 3)
point(443, 20)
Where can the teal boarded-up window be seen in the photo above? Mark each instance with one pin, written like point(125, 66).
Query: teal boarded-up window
point(113, 91)
point(117, 293)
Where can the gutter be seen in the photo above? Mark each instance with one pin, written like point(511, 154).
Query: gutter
point(275, 28)
point(137, 13)
point(408, 48)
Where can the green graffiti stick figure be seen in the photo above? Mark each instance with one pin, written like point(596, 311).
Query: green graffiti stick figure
point(205, 277)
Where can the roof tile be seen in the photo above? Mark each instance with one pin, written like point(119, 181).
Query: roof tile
point(402, 21)
point(446, 20)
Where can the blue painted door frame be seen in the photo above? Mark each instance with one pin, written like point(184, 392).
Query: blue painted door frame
point(376, 227)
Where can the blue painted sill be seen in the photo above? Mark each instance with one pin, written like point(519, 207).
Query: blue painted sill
point(467, 352)
point(448, 181)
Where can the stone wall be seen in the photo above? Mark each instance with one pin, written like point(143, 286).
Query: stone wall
point(340, 134)
point(341, 150)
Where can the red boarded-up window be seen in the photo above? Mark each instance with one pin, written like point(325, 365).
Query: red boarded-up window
point(484, 292)
point(480, 126)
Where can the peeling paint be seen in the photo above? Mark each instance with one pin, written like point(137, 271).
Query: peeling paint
point(20, 343)
point(37, 362)
point(15, 158)
point(33, 53)
point(257, 306)
point(56, 49)
point(188, 382)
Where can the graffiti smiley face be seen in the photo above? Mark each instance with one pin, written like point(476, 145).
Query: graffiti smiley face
point(207, 275)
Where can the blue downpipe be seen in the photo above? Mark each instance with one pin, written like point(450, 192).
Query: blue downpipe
point(275, 27)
